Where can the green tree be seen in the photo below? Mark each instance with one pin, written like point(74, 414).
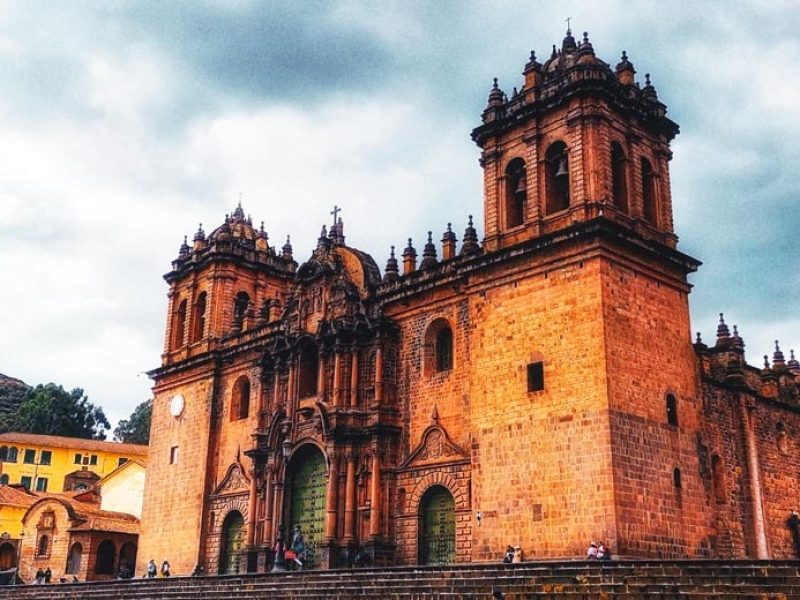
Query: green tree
point(136, 429)
point(52, 410)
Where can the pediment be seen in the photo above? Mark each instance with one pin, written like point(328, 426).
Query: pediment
point(436, 447)
point(235, 481)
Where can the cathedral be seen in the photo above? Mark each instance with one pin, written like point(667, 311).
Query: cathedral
point(540, 387)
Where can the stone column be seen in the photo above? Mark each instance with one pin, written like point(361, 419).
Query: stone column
point(290, 389)
point(251, 510)
point(375, 495)
point(266, 535)
point(759, 525)
point(337, 378)
point(350, 499)
point(378, 376)
point(321, 379)
point(331, 497)
point(276, 401)
point(354, 379)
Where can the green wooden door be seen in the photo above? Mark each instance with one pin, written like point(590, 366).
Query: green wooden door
point(307, 504)
point(438, 528)
point(232, 540)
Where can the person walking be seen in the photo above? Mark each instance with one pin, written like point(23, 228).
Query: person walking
point(591, 551)
point(151, 568)
point(165, 569)
point(298, 546)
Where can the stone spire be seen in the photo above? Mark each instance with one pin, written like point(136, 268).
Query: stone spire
point(262, 239)
point(287, 249)
point(470, 244)
point(738, 342)
point(448, 243)
point(722, 328)
point(184, 250)
point(793, 364)
point(778, 360)
point(428, 254)
point(625, 70)
point(648, 91)
point(409, 258)
point(392, 273)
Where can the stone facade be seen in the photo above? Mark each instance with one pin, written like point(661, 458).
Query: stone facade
point(541, 388)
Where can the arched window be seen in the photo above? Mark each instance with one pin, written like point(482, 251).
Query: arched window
point(516, 193)
point(676, 478)
point(199, 317)
point(105, 558)
point(180, 325)
point(240, 399)
point(556, 178)
point(619, 180)
point(4, 479)
point(718, 477)
point(672, 410)
point(439, 355)
point(3, 453)
point(309, 370)
point(74, 559)
point(240, 305)
point(43, 547)
point(12, 454)
point(444, 349)
point(127, 557)
point(649, 199)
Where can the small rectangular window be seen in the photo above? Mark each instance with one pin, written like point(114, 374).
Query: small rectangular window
point(41, 484)
point(26, 482)
point(85, 459)
point(173, 455)
point(47, 457)
point(78, 458)
point(93, 460)
point(29, 457)
point(536, 377)
point(122, 461)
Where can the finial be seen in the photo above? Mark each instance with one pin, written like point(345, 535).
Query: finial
point(515, 93)
point(435, 413)
point(699, 339)
point(335, 212)
point(777, 358)
point(428, 254)
point(722, 328)
point(793, 364)
point(766, 362)
point(392, 272)
point(533, 56)
point(200, 235)
point(585, 37)
point(554, 52)
point(262, 225)
point(324, 232)
point(287, 248)
point(495, 86)
point(470, 244)
point(569, 29)
point(624, 55)
point(449, 228)
point(647, 78)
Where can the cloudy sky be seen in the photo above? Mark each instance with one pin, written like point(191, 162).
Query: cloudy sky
point(125, 124)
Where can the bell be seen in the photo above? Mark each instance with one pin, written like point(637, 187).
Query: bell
point(522, 186)
point(561, 170)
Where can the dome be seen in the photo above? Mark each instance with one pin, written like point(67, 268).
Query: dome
point(235, 227)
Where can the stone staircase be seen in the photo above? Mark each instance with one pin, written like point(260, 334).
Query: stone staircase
point(563, 580)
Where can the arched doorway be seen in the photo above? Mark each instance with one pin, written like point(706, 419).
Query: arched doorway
point(74, 558)
point(437, 539)
point(127, 557)
point(8, 556)
point(232, 540)
point(106, 554)
point(307, 485)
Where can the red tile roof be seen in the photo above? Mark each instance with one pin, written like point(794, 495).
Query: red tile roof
point(57, 441)
point(12, 495)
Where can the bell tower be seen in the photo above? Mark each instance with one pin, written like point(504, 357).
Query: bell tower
point(577, 141)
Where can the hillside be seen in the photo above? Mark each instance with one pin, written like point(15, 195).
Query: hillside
point(12, 392)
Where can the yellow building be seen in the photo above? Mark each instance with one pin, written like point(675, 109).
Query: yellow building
point(49, 463)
